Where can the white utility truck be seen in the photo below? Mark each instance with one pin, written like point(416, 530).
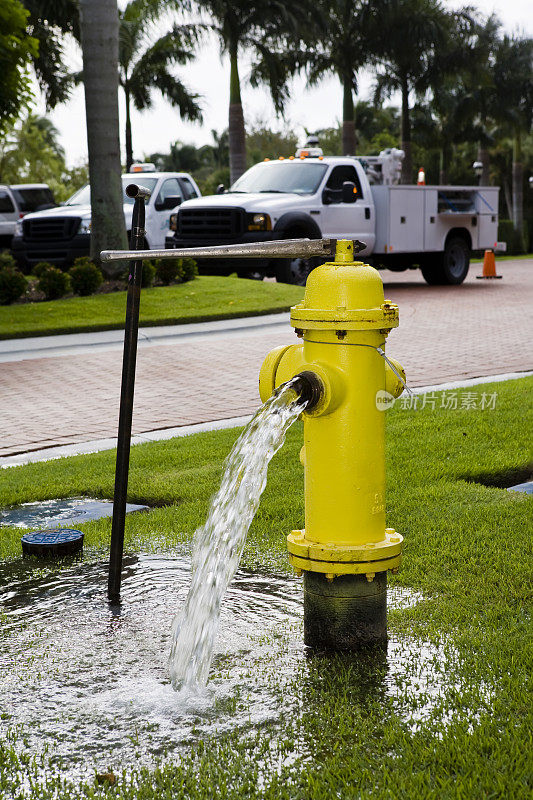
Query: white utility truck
point(60, 235)
point(16, 201)
point(433, 228)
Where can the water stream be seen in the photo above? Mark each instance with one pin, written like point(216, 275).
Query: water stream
point(218, 544)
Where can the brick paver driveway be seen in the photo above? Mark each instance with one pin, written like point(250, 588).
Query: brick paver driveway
point(446, 333)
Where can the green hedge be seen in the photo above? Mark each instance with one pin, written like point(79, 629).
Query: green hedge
point(516, 244)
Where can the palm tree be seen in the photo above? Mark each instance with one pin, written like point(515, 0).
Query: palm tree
point(414, 44)
point(261, 28)
point(99, 40)
point(513, 82)
point(339, 47)
point(145, 62)
point(50, 21)
point(480, 90)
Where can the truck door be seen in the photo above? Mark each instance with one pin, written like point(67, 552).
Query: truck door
point(347, 220)
point(8, 213)
point(169, 196)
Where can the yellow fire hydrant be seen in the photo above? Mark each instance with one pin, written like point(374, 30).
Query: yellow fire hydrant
point(345, 549)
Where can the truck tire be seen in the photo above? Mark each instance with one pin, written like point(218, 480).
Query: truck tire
point(296, 271)
point(453, 266)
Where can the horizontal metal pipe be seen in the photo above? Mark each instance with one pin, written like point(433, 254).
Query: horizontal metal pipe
point(285, 248)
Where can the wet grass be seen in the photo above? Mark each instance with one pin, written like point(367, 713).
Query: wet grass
point(467, 551)
point(206, 298)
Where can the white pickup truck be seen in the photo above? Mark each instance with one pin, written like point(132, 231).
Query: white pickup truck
point(61, 234)
point(310, 195)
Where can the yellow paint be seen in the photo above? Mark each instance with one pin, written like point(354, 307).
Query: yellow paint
point(344, 317)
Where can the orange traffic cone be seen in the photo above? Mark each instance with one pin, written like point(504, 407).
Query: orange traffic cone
point(421, 181)
point(489, 266)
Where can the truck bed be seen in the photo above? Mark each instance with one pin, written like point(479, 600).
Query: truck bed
point(416, 219)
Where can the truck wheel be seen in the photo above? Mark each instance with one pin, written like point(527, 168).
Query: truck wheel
point(296, 271)
point(251, 275)
point(453, 266)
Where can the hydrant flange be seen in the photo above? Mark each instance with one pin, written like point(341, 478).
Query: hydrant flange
point(345, 559)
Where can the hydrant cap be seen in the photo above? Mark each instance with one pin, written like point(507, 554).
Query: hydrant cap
point(344, 286)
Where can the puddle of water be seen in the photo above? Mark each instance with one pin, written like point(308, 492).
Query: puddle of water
point(51, 513)
point(91, 682)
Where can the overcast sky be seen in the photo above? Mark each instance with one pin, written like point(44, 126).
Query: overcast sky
point(208, 75)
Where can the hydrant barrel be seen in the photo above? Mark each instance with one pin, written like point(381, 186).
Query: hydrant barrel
point(345, 450)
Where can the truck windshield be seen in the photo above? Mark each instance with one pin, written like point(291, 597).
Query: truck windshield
point(34, 199)
point(83, 196)
point(293, 177)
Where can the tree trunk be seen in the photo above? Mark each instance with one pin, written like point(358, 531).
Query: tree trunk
point(99, 39)
point(518, 187)
point(236, 134)
point(348, 123)
point(407, 163)
point(129, 144)
point(484, 158)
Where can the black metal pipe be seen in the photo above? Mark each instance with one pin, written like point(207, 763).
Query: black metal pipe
point(126, 395)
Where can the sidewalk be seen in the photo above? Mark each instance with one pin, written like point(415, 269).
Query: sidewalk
point(62, 390)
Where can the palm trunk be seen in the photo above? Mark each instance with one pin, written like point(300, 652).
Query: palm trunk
point(443, 167)
point(236, 134)
point(484, 158)
point(518, 187)
point(407, 163)
point(348, 121)
point(99, 39)
point(129, 144)
point(508, 198)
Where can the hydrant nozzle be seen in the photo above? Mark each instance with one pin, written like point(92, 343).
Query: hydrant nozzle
point(345, 549)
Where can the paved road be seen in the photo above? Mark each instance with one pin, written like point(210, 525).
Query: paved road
point(62, 390)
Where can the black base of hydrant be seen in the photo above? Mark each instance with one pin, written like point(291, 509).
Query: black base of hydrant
point(345, 613)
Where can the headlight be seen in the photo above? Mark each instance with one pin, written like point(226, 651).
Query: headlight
point(259, 222)
point(18, 228)
point(173, 224)
point(85, 226)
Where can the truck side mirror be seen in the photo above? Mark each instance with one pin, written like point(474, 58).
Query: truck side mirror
point(170, 202)
point(349, 192)
point(220, 189)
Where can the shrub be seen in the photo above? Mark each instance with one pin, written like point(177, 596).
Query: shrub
point(12, 285)
point(189, 269)
point(178, 269)
point(148, 274)
point(53, 282)
point(39, 268)
point(167, 269)
point(7, 261)
point(85, 276)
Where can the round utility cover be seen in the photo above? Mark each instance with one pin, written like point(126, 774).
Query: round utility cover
point(52, 543)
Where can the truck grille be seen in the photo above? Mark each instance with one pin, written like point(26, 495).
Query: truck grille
point(210, 223)
point(50, 229)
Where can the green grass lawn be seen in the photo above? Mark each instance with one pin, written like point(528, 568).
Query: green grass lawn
point(467, 551)
point(207, 297)
point(505, 258)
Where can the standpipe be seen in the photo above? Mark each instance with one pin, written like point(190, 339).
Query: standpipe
point(345, 549)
